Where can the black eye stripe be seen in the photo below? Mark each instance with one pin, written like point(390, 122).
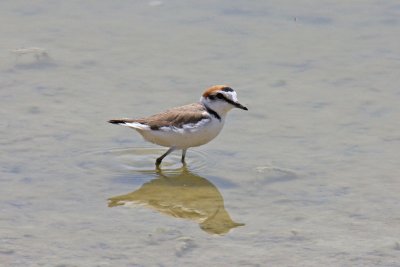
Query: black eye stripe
point(222, 97)
point(227, 89)
point(228, 100)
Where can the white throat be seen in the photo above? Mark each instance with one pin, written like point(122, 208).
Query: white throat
point(221, 108)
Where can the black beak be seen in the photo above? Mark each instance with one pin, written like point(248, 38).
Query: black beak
point(238, 105)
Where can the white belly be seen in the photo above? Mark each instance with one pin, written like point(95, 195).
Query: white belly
point(188, 136)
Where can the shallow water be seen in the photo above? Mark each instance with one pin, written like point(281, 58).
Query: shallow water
point(308, 176)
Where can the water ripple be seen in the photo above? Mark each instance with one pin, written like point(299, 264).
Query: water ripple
point(142, 159)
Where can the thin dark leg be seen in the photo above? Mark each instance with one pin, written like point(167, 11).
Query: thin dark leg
point(183, 155)
point(158, 161)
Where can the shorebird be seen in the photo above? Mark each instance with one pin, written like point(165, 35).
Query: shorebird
point(187, 126)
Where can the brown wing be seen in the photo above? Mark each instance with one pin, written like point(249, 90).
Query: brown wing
point(174, 117)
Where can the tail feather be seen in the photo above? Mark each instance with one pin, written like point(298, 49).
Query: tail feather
point(117, 121)
point(135, 124)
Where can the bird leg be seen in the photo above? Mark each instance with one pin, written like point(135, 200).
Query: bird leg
point(158, 161)
point(183, 155)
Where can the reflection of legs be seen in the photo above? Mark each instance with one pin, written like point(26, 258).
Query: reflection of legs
point(183, 155)
point(158, 161)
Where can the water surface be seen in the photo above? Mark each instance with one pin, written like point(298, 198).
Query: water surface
point(308, 176)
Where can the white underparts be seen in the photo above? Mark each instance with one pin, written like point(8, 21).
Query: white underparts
point(189, 135)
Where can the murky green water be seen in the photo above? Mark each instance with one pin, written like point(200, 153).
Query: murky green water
point(309, 176)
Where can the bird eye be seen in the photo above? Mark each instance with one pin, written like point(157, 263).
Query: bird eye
point(220, 96)
point(211, 97)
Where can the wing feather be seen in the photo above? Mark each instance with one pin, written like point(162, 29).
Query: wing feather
point(174, 117)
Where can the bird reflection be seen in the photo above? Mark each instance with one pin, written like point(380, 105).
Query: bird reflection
point(184, 195)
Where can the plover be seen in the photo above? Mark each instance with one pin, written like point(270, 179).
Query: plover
point(187, 126)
